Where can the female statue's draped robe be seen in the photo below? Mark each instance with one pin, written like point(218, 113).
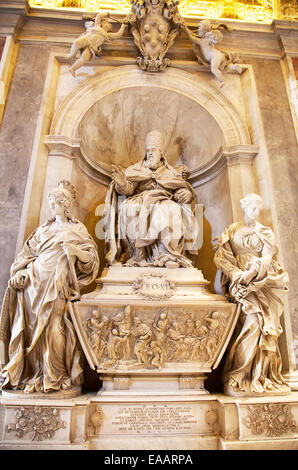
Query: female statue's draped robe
point(261, 307)
point(38, 340)
point(148, 218)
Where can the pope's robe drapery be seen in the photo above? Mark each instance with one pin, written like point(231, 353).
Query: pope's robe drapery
point(148, 217)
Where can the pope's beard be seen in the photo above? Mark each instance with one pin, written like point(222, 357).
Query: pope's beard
point(152, 163)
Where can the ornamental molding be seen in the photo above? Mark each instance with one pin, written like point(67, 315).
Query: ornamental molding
point(226, 157)
point(69, 114)
point(251, 11)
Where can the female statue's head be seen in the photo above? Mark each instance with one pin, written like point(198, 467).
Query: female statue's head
point(154, 149)
point(61, 199)
point(252, 204)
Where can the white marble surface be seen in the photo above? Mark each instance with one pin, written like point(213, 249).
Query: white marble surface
point(169, 422)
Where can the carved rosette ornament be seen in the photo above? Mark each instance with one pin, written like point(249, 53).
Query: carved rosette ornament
point(154, 25)
point(274, 419)
point(154, 286)
point(41, 422)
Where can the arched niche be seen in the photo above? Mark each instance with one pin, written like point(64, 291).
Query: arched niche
point(113, 130)
point(70, 113)
point(105, 119)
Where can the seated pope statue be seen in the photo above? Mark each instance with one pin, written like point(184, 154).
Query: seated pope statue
point(149, 212)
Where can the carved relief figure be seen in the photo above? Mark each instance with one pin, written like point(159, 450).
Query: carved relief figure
point(98, 327)
point(158, 356)
point(114, 344)
point(160, 328)
point(178, 350)
point(215, 327)
point(171, 336)
point(154, 25)
point(155, 224)
point(199, 348)
point(38, 341)
point(207, 54)
point(143, 336)
point(119, 339)
point(98, 31)
point(254, 279)
point(123, 321)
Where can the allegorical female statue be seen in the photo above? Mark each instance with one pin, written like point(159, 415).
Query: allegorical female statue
point(153, 223)
point(39, 348)
point(255, 280)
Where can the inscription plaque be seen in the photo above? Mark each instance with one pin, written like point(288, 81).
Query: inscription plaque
point(155, 419)
point(153, 286)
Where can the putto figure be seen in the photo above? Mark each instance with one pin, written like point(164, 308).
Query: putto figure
point(153, 224)
point(204, 47)
point(98, 31)
point(39, 350)
point(255, 280)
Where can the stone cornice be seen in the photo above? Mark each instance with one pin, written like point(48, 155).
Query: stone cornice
point(61, 27)
point(22, 6)
point(224, 158)
point(65, 147)
point(60, 146)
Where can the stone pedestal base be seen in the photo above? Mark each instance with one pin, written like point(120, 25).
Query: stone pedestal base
point(230, 391)
point(152, 335)
point(135, 420)
point(153, 329)
point(292, 379)
point(59, 395)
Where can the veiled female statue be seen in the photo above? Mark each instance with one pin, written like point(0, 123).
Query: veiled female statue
point(255, 280)
point(153, 223)
point(39, 349)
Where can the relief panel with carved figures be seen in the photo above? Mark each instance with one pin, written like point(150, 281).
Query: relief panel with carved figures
point(145, 338)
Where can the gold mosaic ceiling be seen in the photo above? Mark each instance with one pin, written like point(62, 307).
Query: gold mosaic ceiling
point(254, 11)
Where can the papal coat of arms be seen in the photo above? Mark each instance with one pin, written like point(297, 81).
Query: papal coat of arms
point(154, 26)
